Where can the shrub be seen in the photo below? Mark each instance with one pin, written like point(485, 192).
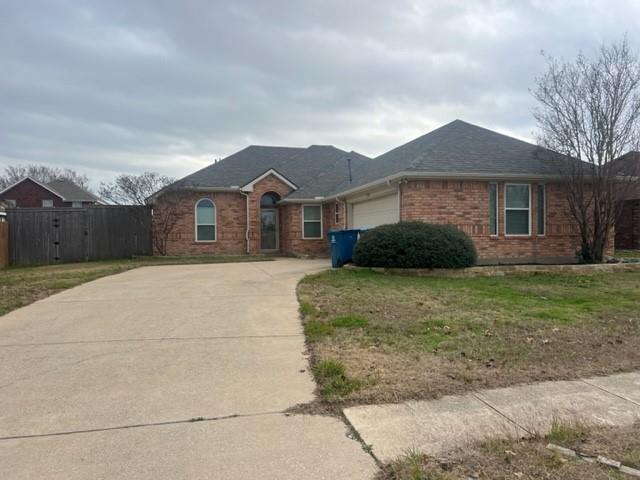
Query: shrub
point(414, 245)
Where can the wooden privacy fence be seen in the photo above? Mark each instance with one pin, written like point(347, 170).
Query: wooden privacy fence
point(54, 235)
point(4, 243)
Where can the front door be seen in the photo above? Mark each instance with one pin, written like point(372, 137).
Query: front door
point(269, 229)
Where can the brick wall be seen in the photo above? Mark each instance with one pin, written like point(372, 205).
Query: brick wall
point(466, 205)
point(270, 183)
point(291, 222)
point(230, 224)
point(628, 226)
point(29, 194)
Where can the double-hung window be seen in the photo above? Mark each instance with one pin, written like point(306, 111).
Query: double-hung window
point(493, 209)
point(205, 221)
point(311, 221)
point(517, 209)
point(47, 203)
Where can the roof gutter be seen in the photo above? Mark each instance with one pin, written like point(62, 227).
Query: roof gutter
point(407, 175)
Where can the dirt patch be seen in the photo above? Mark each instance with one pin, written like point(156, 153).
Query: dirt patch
point(525, 459)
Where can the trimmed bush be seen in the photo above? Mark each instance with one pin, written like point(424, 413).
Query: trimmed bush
point(415, 245)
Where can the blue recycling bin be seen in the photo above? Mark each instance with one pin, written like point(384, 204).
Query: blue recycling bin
point(342, 244)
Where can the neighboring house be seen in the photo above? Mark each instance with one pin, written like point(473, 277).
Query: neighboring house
point(505, 193)
point(628, 225)
point(29, 193)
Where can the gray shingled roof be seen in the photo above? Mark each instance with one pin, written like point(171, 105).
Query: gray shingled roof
point(319, 170)
point(314, 170)
point(71, 192)
point(460, 147)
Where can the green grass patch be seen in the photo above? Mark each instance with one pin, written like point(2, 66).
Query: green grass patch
point(333, 380)
point(307, 309)
point(316, 329)
point(627, 254)
point(349, 321)
point(567, 434)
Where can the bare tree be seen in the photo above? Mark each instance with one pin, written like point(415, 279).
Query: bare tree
point(166, 214)
point(589, 111)
point(41, 173)
point(133, 189)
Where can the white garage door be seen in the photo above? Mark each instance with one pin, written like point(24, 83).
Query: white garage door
point(376, 212)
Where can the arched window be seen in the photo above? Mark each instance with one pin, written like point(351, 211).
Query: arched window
point(205, 221)
point(269, 200)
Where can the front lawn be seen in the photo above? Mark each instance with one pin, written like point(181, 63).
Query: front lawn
point(528, 459)
point(385, 338)
point(20, 286)
point(634, 254)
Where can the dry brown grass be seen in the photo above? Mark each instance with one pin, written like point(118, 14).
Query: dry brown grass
point(525, 459)
point(420, 338)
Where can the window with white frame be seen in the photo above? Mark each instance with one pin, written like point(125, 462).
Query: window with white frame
point(517, 209)
point(47, 203)
point(338, 216)
point(205, 221)
point(493, 209)
point(11, 203)
point(311, 221)
point(542, 209)
point(76, 204)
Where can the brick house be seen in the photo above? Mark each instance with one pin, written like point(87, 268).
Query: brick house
point(505, 193)
point(29, 193)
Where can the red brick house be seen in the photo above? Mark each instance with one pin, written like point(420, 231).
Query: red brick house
point(29, 193)
point(505, 193)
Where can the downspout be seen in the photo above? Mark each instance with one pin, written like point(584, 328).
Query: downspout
point(246, 232)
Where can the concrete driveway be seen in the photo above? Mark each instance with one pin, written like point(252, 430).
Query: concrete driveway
point(105, 380)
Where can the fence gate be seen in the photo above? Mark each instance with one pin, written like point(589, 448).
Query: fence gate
point(55, 235)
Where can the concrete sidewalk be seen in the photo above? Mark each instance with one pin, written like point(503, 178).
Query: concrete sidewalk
point(439, 425)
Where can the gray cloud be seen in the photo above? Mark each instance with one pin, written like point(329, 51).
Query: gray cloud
point(109, 87)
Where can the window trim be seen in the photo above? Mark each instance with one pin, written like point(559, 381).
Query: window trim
point(528, 185)
point(215, 221)
point(312, 221)
point(497, 232)
point(336, 213)
point(11, 203)
point(47, 200)
point(544, 217)
point(76, 204)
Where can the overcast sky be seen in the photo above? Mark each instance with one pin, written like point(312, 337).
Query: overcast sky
point(128, 86)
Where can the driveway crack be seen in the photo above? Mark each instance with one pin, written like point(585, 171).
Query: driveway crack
point(143, 425)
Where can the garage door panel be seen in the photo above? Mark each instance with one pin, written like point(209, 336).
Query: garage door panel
point(376, 212)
